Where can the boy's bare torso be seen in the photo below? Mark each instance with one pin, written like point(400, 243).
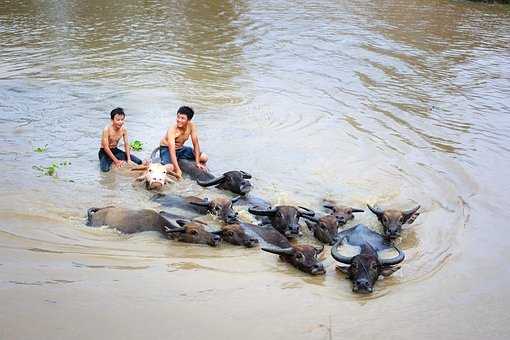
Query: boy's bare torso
point(113, 135)
point(181, 136)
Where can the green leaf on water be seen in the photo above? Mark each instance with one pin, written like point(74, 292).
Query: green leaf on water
point(136, 145)
point(41, 149)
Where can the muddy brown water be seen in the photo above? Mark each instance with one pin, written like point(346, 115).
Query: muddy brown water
point(390, 102)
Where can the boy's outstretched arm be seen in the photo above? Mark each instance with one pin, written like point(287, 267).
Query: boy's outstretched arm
point(126, 145)
point(196, 147)
point(106, 147)
point(170, 137)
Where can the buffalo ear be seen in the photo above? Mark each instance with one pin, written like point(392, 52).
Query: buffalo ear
point(388, 271)
point(412, 218)
point(343, 269)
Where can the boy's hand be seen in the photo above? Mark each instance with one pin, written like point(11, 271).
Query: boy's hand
point(120, 164)
point(178, 174)
point(201, 166)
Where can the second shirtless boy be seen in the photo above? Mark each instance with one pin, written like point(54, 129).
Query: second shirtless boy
point(172, 144)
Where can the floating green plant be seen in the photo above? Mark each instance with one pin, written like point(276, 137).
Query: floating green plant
point(51, 170)
point(41, 149)
point(136, 145)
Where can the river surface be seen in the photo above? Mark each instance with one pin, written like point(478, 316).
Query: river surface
point(395, 103)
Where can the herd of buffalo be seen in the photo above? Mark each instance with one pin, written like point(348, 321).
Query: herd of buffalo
point(365, 253)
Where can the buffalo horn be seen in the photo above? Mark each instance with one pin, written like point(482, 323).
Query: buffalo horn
point(311, 218)
point(279, 251)
point(266, 212)
point(306, 212)
point(245, 175)
point(211, 182)
point(235, 199)
point(204, 203)
point(357, 210)
point(329, 206)
point(408, 213)
point(336, 254)
point(397, 259)
point(377, 211)
point(174, 230)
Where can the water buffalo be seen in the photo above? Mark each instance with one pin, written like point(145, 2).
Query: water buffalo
point(219, 206)
point(155, 175)
point(325, 228)
point(302, 256)
point(235, 234)
point(187, 166)
point(393, 219)
point(369, 260)
point(342, 213)
point(284, 218)
point(190, 232)
point(131, 221)
point(234, 181)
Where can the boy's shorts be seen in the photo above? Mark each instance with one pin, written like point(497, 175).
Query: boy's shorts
point(105, 162)
point(185, 152)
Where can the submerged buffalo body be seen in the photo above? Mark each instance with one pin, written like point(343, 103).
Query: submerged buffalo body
point(284, 218)
point(233, 181)
point(219, 206)
point(131, 221)
point(393, 219)
point(370, 258)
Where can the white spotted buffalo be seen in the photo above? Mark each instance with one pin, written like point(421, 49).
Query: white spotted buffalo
point(154, 175)
point(284, 218)
point(393, 219)
point(368, 255)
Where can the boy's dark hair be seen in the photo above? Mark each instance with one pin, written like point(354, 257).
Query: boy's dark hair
point(186, 110)
point(117, 111)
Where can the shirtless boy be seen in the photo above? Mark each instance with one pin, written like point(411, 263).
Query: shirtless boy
point(109, 153)
point(172, 144)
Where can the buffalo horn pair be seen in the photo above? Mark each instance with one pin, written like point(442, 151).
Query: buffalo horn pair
point(348, 259)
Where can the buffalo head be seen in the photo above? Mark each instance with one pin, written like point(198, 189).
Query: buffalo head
point(234, 181)
point(190, 232)
point(324, 228)
point(303, 257)
point(364, 268)
point(342, 213)
point(284, 218)
point(219, 206)
point(154, 175)
point(393, 219)
point(235, 234)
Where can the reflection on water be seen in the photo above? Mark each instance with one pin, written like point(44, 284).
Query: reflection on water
point(390, 102)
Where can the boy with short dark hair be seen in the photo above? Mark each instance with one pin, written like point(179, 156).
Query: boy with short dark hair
point(172, 144)
point(108, 152)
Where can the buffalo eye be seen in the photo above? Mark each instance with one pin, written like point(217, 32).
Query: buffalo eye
point(229, 233)
point(401, 219)
point(354, 265)
point(150, 170)
point(193, 232)
point(373, 266)
point(299, 256)
point(349, 211)
point(385, 219)
point(323, 226)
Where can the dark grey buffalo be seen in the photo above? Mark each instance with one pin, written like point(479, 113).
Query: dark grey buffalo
point(219, 206)
point(366, 253)
point(393, 219)
point(233, 181)
point(131, 221)
point(284, 218)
